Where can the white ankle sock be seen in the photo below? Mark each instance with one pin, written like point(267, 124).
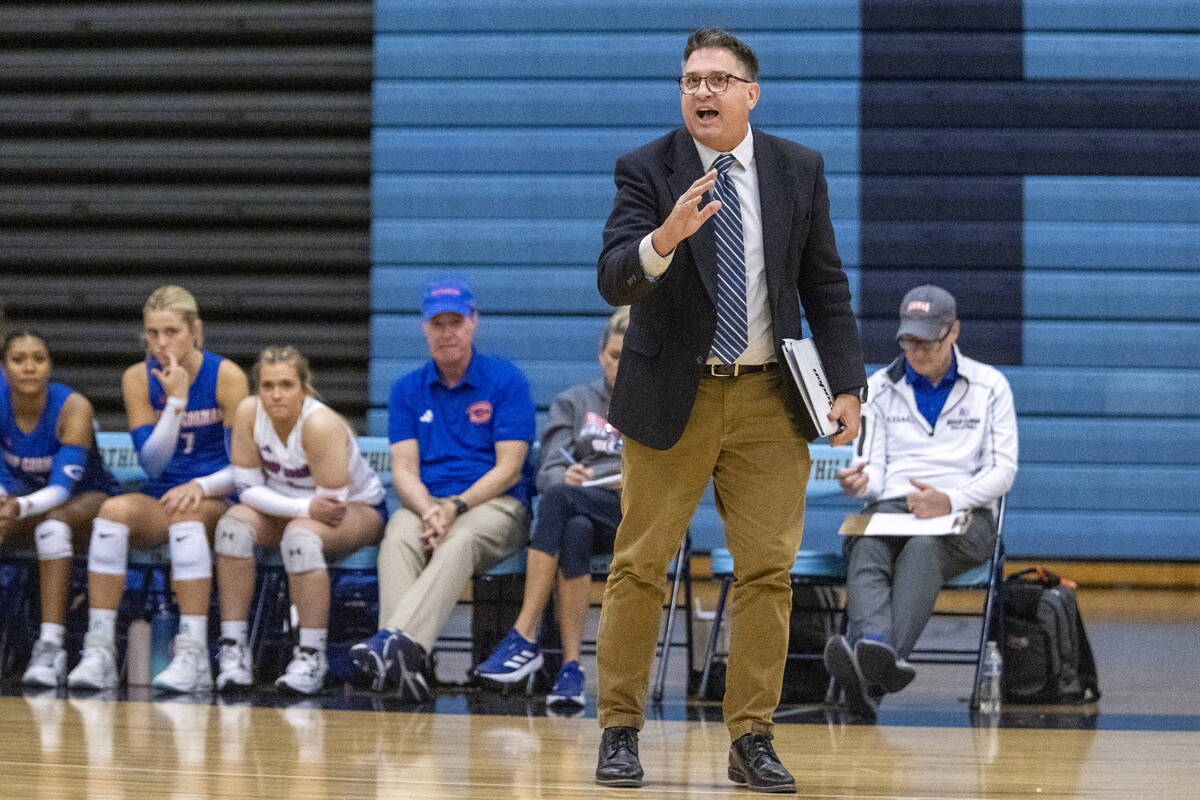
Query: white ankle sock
point(237, 630)
point(102, 622)
point(53, 633)
point(194, 627)
point(313, 639)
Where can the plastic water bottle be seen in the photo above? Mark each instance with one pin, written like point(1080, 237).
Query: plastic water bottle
point(989, 689)
point(162, 632)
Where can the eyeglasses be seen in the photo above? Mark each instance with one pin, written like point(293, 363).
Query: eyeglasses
point(913, 343)
point(717, 82)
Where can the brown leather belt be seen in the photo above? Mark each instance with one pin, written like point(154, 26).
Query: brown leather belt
point(734, 370)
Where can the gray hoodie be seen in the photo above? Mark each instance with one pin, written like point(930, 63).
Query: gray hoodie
point(579, 424)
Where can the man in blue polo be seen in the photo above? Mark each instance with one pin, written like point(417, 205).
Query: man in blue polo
point(459, 428)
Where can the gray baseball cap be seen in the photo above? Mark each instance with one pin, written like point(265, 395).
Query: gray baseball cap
point(925, 312)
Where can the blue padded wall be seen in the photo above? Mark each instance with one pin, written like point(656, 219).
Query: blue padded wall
point(1041, 159)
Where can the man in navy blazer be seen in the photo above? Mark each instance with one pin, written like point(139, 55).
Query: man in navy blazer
point(693, 407)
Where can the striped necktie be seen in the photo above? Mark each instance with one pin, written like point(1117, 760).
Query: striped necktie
point(731, 337)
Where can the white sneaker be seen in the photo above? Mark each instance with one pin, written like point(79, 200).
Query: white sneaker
point(233, 665)
point(189, 671)
point(97, 667)
point(305, 674)
point(47, 666)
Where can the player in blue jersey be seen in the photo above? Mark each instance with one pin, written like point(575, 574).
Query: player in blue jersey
point(53, 482)
point(180, 402)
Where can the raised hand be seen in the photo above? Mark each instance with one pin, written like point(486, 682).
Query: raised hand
point(687, 216)
point(173, 377)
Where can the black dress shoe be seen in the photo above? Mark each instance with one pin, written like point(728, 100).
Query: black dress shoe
point(752, 762)
point(618, 764)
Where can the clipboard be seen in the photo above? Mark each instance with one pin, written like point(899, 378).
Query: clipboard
point(884, 524)
point(607, 480)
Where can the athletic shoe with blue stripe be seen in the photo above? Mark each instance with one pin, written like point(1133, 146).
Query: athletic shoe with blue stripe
point(512, 660)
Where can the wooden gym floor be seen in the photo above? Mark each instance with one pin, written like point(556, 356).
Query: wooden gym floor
point(1142, 740)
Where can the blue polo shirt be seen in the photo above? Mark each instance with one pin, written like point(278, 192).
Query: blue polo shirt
point(457, 429)
point(931, 399)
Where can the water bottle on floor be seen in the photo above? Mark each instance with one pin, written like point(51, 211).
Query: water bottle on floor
point(989, 689)
point(162, 633)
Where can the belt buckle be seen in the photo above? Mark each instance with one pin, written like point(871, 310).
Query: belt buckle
point(720, 370)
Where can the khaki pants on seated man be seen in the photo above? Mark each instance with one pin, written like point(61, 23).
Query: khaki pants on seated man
point(418, 588)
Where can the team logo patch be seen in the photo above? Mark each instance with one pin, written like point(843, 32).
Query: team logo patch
point(74, 471)
point(479, 412)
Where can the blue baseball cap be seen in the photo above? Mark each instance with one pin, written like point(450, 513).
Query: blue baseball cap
point(447, 294)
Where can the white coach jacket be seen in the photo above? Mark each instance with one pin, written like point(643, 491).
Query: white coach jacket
point(970, 454)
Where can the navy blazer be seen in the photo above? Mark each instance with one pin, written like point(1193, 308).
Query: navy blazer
point(672, 320)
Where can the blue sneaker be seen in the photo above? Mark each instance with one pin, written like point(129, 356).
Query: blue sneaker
point(409, 667)
point(568, 686)
point(373, 659)
point(513, 659)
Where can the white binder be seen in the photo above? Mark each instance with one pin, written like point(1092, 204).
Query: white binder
point(805, 365)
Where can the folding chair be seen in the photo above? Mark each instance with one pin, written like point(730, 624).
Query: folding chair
point(812, 567)
point(987, 578)
point(680, 573)
point(270, 607)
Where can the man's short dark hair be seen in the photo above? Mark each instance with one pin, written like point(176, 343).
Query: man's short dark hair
point(722, 39)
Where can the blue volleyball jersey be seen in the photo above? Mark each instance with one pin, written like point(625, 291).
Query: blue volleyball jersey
point(200, 449)
point(29, 457)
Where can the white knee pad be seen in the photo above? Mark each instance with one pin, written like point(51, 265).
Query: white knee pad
point(302, 550)
point(190, 560)
point(109, 551)
point(235, 537)
point(53, 539)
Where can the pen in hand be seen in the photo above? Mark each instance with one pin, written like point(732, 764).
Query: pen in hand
point(570, 459)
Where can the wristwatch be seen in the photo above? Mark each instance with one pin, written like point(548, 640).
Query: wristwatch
point(860, 392)
point(460, 507)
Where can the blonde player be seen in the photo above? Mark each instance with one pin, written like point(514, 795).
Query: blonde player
point(178, 401)
point(304, 487)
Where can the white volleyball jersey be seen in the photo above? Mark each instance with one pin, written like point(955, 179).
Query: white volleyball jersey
point(285, 465)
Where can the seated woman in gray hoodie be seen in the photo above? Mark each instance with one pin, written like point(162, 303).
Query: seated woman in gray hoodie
point(574, 521)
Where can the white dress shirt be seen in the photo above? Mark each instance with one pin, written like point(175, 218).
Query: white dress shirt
point(743, 173)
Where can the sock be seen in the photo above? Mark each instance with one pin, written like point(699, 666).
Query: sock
point(313, 639)
point(237, 630)
point(103, 623)
point(194, 627)
point(53, 633)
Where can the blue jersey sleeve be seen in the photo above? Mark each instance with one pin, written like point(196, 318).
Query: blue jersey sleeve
point(68, 466)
